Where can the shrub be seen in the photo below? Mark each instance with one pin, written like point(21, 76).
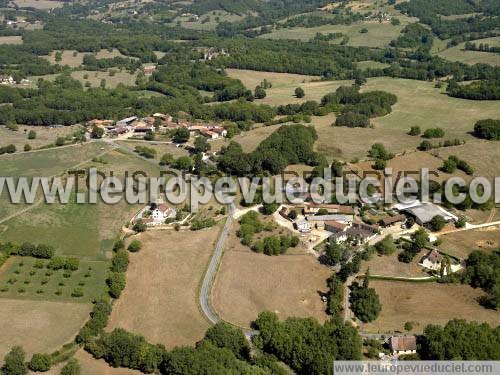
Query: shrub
point(139, 226)
point(77, 292)
point(71, 368)
point(200, 223)
point(415, 130)
point(299, 92)
point(40, 362)
point(71, 264)
point(135, 246)
point(56, 263)
point(434, 133)
point(120, 261)
point(116, 283)
point(437, 223)
point(487, 129)
point(14, 362)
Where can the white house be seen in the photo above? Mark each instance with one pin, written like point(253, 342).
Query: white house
point(432, 261)
point(6, 80)
point(161, 213)
point(303, 226)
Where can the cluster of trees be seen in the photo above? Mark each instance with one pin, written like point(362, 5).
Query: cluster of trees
point(482, 272)
point(414, 36)
point(427, 145)
point(419, 240)
point(365, 303)
point(28, 249)
point(93, 63)
point(481, 47)
point(270, 245)
point(116, 280)
point(301, 342)
point(145, 151)
point(358, 107)
point(58, 263)
point(201, 223)
point(460, 340)
point(314, 20)
point(275, 245)
point(251, 225)
point(98, 321)
point(9, 149)
point(386, 246)
point(487, 129)
point(482, 90)
point(224, 349)
point(429, 12)
point(453, 163)
point(380, 154)
point(291, 144)
point(335, 295)
point(433, 133)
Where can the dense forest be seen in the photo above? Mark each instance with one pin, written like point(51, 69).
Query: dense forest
point(291, 144)
point(482, 90)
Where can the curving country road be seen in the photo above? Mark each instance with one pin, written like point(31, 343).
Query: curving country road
point(208, 280)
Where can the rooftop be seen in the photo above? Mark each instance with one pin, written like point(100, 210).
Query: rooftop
point(403, 343)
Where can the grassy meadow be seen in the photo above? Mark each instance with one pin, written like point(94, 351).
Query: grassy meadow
point(11, 39)
point(457, 53)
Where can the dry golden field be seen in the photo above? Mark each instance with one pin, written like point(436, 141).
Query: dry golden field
point(39, 326)
point(426, 303)
point(160, 300)
point(248, 283)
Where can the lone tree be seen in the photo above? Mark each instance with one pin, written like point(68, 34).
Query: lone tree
point(201, 144)
point(260, 93)
point(181, 135)
point(299, 92)
point(437, 223)
point(97, 132)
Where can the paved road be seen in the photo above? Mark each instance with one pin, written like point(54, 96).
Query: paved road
point(208, 280)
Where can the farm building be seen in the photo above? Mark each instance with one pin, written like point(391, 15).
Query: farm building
point(423, 214)
point(126, 121)
point(392, 220)
point(404, 344)
point(319, 220)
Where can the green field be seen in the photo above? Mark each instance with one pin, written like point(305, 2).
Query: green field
point(378, 35)
point(457, 53)
point(42, 283)
point(419, 104)
point(83, 230)
point(208, 21)
point(95, 78)
point(284, 85)
point(49, 162)
point(45, 163)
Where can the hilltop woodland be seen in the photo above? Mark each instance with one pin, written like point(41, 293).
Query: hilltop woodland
point(67, 102)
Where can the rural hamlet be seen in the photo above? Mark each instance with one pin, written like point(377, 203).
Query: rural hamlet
point(267, 187)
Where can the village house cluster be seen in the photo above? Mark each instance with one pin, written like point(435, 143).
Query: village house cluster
point(6, 79)
point(134, 125)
